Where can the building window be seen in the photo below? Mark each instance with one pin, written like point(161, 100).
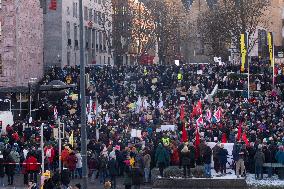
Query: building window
point(68, 10)
point(75, 32)
point(95, 17)
point(68, 58)
point(99, 18)
point(93, 39)
point(68, 30)
point(0, 4)
point(1, 65)
point(90, 14)
point(85, 13)
point(74, 9)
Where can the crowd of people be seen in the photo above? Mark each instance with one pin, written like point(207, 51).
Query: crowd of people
point(121, 99)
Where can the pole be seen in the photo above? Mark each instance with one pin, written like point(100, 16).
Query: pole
point(83, 100)
point(273, 63)
point(59, 147)
point(42, 151)
point(20, 104)
point(248, 78)
point(97, 110)
point(10, 104)
point(30, 101)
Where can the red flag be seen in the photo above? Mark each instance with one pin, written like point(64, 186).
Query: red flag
point(197, 142)
point(200, 121)
point(199, 107)
point(182, 112)
point(245, 139)
point(55, 113)
point(224, 138)
point(239, 132)
point(184, 136)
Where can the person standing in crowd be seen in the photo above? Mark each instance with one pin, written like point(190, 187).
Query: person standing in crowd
point(207, 157)
point(215, 150)
point(79, 165)
point(269, 153)
point(185, 161)
point(147, 165)
point(10, 166)
point(137, 176)
point(65, 178)
point(49, 154)
point(32, 167)
point(64, 156)
point(162, 158)
point(259, 160)
point(127, 180)
point(16, 157)
point(280, 155)
point(239, 154)
point(2, 169)
point(71, 162)
point(102, 168)
point(113, 170)
point(223, 153)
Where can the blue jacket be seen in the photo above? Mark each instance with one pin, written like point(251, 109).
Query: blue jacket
point(280, 157)
point(223, 155)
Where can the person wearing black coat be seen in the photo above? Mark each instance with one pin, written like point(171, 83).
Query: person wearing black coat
point(136, 177)
point(65, 178)
point(207, 157)
point(185, 160)
point(113, 171)
point(10, 168)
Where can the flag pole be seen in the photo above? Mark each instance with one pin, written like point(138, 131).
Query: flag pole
point(249, 60)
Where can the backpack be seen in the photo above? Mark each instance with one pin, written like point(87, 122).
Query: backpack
point(48, 153)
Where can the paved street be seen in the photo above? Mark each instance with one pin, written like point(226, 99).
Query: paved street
point(18, 183)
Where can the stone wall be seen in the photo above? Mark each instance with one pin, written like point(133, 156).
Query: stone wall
point(21, 46)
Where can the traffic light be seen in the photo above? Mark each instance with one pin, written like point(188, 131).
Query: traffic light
point(53, 5)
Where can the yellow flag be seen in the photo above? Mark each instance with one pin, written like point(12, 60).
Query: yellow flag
point(71, 138)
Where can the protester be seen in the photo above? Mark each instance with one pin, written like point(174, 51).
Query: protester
point(32, 167)
point(223, 153)
point(216, 161)
point(207, 158)
point(147, 164)
point(185, 161)
point(259, 159)
point(71, 163)
point(113, 170)
point(137, 176)
point(162, 158)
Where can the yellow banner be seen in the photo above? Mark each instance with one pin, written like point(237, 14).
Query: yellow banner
point(270, 48)
point(243, 52)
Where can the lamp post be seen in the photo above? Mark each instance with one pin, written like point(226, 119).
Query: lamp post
point(30, 82)
point(83, 99)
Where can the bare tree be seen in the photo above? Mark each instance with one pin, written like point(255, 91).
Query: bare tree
point(222, 25)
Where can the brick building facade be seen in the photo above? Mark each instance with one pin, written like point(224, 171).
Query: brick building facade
point(21, 42)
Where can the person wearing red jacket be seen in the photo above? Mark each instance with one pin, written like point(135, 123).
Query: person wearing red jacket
point(71, 163)
point(49, 155)
point(32, 167)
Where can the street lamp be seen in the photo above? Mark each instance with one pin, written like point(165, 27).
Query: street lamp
point(30, 82)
